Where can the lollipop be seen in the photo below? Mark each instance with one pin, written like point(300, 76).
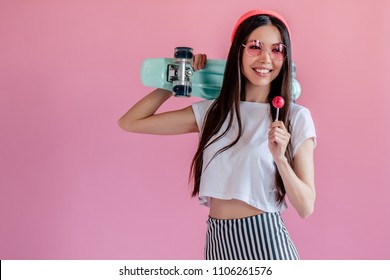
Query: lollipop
point(277, 102)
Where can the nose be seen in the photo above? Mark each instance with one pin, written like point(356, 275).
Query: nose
point(265, 57)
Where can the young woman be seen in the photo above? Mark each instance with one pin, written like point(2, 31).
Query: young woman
point(246, 162)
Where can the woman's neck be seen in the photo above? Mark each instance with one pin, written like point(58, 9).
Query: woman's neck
point(257, 94)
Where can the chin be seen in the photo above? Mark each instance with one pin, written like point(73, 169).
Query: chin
point(261, 83)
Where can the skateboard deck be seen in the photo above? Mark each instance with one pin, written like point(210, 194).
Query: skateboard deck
point(165, 73)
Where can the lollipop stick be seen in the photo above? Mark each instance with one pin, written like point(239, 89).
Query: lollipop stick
point(277, 114)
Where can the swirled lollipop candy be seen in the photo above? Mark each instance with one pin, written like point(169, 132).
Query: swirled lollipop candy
point(277, 102)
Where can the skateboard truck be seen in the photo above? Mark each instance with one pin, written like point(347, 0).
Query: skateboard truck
point(179, 73)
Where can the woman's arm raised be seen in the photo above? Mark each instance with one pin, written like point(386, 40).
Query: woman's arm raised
point(141, 118)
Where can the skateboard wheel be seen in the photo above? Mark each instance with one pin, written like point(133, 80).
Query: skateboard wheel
point(295, 86)
point(294, 70)
point(295, 89)
point(183, 53)
point(181, 89)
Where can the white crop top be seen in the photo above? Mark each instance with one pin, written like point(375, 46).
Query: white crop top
point(246, 171)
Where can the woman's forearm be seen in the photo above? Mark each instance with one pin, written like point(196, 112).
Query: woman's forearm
point(144, 108)
point(299, 181)
point(300, 194)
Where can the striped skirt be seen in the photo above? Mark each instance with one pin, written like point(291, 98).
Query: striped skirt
point(260, 237)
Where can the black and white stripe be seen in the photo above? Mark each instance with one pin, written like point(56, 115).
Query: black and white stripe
point(260, 237)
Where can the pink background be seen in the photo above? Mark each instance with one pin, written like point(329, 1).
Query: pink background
point(73, 185)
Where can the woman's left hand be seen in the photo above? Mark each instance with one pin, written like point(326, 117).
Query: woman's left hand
point(278, 139)
point(199, 61)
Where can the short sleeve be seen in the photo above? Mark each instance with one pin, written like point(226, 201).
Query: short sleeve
point(302, 127)
point(200, 110)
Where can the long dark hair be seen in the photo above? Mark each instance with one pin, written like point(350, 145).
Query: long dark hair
point(227, 106)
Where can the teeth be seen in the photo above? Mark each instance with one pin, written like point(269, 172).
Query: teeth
point(262, 71)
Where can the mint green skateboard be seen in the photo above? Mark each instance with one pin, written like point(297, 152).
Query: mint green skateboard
point(176, 75)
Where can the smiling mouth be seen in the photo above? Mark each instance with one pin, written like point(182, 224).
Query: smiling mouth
point(262, 71)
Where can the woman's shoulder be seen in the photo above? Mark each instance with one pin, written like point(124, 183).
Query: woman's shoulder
point(203, 103)
point(298, 109)
point(200, 109)
point(299, 112)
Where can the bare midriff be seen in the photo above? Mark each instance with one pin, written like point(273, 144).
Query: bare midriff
point(231, 209)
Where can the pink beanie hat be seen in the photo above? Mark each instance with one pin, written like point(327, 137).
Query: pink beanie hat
point(259, 12)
